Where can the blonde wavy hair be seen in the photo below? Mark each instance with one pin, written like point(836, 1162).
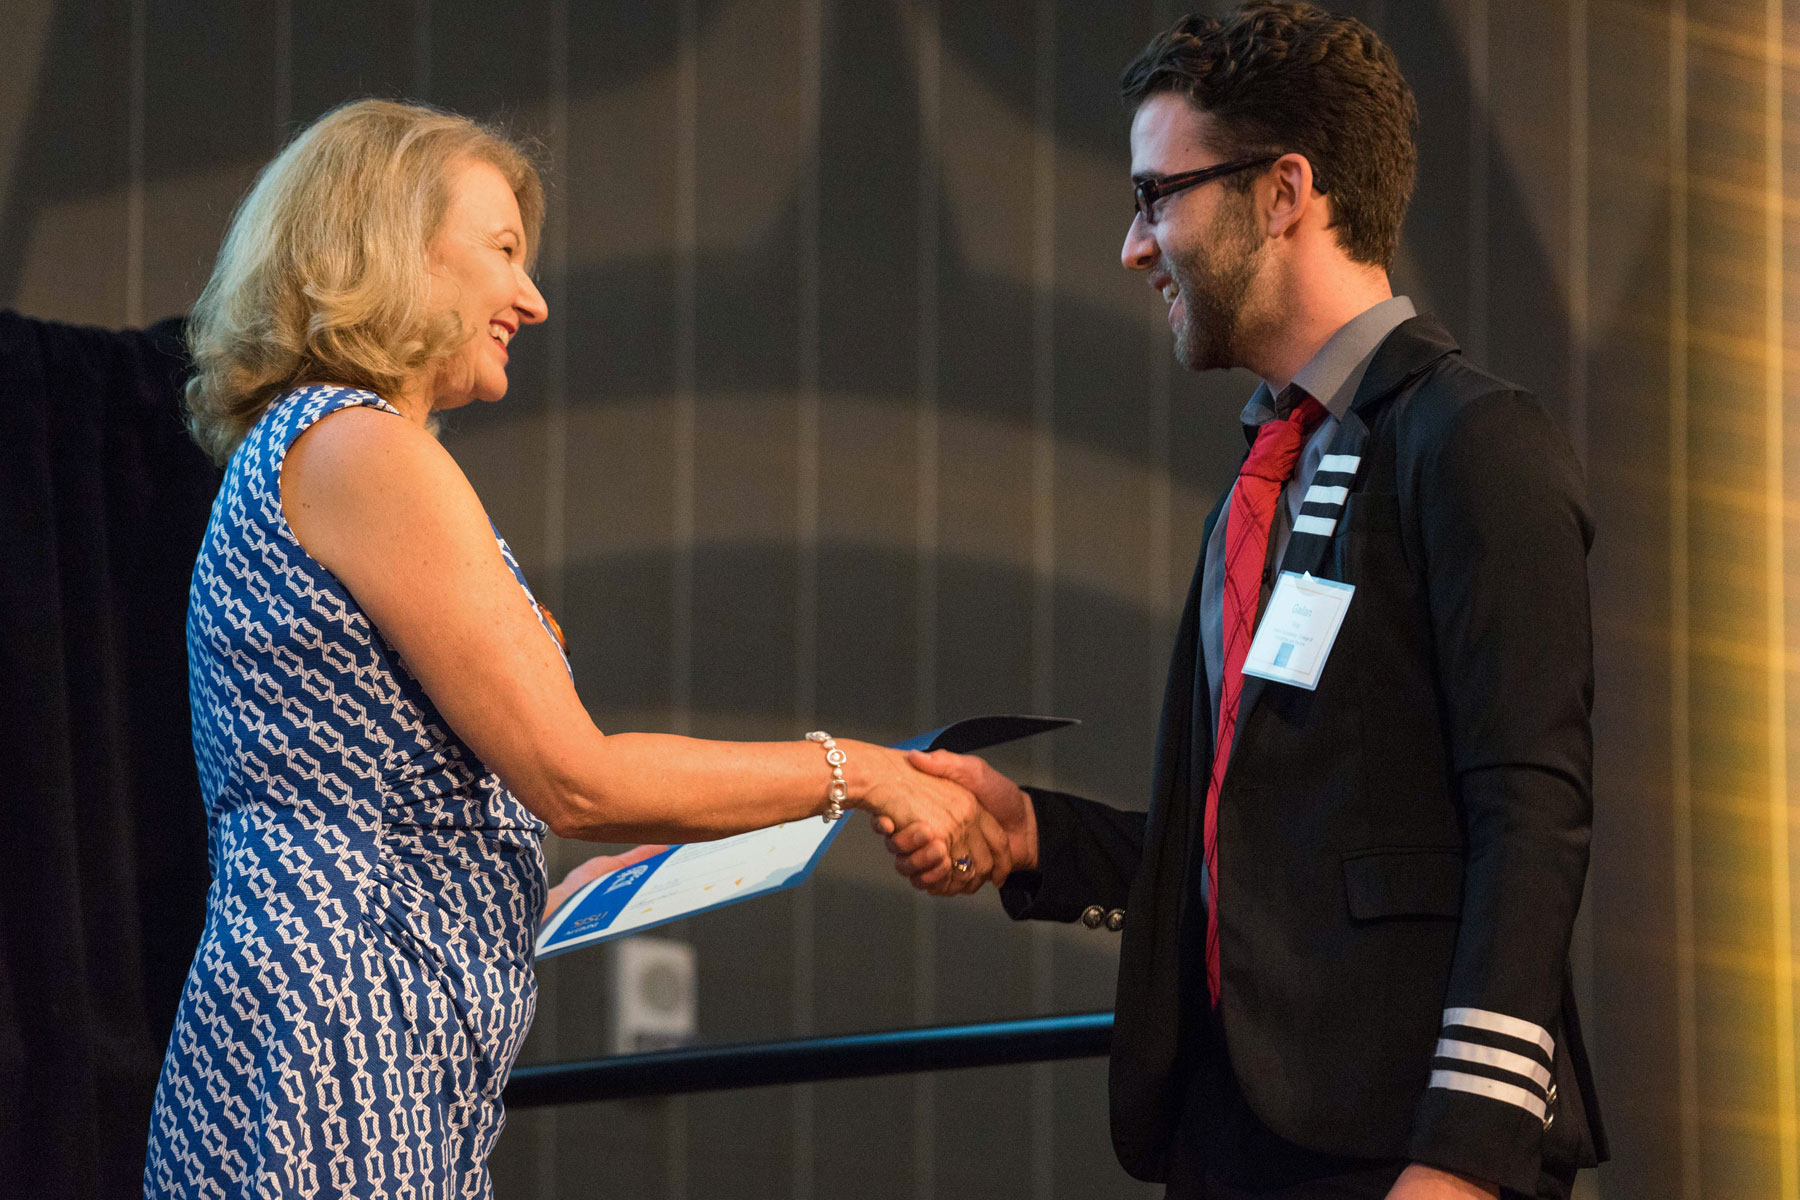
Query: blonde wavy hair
point(322, 275)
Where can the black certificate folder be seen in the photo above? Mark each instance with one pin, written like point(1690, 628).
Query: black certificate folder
point(978, 733)
point(700, 876)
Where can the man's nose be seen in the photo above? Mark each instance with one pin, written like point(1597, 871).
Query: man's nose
point(1139, 250)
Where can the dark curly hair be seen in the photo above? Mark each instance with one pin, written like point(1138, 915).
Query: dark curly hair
point(1280, 78)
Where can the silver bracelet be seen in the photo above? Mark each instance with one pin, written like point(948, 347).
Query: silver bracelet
point(839, 791)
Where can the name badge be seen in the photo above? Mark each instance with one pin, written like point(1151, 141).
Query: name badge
point(1298, 629)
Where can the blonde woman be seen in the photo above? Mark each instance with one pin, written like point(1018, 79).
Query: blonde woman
point(383, 717)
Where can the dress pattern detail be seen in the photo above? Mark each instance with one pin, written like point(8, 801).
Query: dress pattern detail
point(364, 979)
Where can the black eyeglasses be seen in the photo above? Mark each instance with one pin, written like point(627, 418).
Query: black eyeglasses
point(1149, 191)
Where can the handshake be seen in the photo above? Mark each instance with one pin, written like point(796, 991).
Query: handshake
point(953, 823)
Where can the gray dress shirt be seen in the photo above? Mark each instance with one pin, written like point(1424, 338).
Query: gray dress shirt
point(1331, 377)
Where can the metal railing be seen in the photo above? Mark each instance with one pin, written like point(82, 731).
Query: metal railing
point(813, 1060)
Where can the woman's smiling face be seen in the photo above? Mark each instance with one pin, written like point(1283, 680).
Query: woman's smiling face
point(477, 264)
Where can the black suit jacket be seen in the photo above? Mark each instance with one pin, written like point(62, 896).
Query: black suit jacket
point(1402, 850)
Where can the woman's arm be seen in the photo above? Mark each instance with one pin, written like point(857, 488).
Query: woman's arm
point(384, 507)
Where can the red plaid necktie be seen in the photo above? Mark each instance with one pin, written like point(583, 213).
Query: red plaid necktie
point(1260, 480)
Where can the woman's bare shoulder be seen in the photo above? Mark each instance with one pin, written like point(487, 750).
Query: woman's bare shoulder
point(362, 470)
point(363, 442)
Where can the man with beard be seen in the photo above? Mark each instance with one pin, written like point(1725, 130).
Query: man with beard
point(1347, 913)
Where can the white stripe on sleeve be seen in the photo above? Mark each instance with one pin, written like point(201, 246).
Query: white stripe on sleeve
point(1493, 1022)
point(1493, 1089)
point(1506, 1060)
point(1319, 525)
point(1341, 462)
point(1320, 494)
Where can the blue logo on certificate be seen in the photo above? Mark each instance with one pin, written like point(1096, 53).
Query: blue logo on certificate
point(600, 905)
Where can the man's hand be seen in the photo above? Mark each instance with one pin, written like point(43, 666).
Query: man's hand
point(1420, 1182)
point(592, 869)
point(1001, 797)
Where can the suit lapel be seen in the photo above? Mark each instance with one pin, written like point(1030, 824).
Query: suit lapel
point(1182, 738)
point(1145, 1035)
point(1201, 722)
point(1323, 505)
point(1205, 721)
point(1320, 514)
point(1412, 347)
point(1178, 698)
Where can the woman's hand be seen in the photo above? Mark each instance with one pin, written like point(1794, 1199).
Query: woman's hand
point(937, 815)
point(1004, 800)
point(592, 869)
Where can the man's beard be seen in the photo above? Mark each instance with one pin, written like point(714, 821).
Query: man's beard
point(1215, 281)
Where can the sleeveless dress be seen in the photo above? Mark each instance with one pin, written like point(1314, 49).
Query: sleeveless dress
point(365, 975)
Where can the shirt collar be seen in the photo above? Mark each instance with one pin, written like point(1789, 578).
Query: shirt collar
point(1333, 374)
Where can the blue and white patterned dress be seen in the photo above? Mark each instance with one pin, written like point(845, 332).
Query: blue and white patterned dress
point(365, 979)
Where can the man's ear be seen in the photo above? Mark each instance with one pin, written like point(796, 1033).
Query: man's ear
point(1290, 192)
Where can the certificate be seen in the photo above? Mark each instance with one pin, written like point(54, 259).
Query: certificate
point(698, 876)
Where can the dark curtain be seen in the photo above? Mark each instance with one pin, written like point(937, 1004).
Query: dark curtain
point(103, 500)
